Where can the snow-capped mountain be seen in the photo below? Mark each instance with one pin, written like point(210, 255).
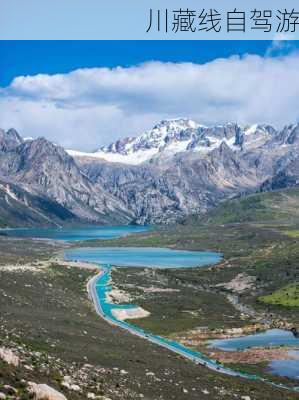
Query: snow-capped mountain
point(180, 167)
point(171, 137)
point(176, 169)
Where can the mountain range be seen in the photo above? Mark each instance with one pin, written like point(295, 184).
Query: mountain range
point(177, 169)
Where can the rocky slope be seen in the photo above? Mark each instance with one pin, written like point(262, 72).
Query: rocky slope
point(180, 168)
point(41, 179)
point(21, 208)
point(176, 169)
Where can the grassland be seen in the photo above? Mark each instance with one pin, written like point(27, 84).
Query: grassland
point(268, 206)
point(49, 312)
point(174, 307)
point(287, 296)
point(258, 236)
point(263, 249)
point(292, 233)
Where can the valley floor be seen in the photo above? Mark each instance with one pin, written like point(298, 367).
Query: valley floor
point(253, 289)
point(48, 321)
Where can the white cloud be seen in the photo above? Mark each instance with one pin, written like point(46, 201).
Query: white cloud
point(282, 45)
point(88, 107)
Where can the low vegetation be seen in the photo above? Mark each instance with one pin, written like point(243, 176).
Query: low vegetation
point(263, 249)
point(267, 206)
point(287, 296)
point(174, 307)
point(48, 312)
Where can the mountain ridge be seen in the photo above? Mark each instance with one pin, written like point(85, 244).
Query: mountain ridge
point(44, 170)
point(175, 136)
point(178, 168)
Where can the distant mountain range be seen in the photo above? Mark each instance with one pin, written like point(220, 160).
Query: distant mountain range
point(174, 170)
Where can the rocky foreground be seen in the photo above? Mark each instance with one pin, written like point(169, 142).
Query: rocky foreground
point(19, 363)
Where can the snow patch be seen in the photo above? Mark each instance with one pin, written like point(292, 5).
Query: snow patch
point(251, 129)
point(8, 191)
point(132, 159)
point(170, 137)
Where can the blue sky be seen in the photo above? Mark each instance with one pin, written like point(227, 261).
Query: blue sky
point(83, 94)
point(49, 57)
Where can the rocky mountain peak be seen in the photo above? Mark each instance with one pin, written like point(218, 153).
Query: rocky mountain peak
point(170, 137)
point(168, 126)
point(42, 147)
point(13, 134)
point(292, 134)
point(162, 133)
point(183, 168)
point(9, 139)
point(46, 174)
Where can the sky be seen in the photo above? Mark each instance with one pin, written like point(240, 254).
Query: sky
point(120, 20)
point(83, 94)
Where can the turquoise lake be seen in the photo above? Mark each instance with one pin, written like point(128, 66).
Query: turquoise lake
point(287, 368)
point(157, 258)
point(272, 337)
point(73, 234)
point(143, 257)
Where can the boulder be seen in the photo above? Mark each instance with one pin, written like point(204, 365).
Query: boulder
point(44, 392)
point(9, 356)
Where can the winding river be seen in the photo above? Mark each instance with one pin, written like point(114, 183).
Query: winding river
point(99, 285)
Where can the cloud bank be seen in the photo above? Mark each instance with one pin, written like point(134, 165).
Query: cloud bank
point(90, 107)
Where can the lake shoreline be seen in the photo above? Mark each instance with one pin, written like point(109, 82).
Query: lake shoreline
point(83, 263)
